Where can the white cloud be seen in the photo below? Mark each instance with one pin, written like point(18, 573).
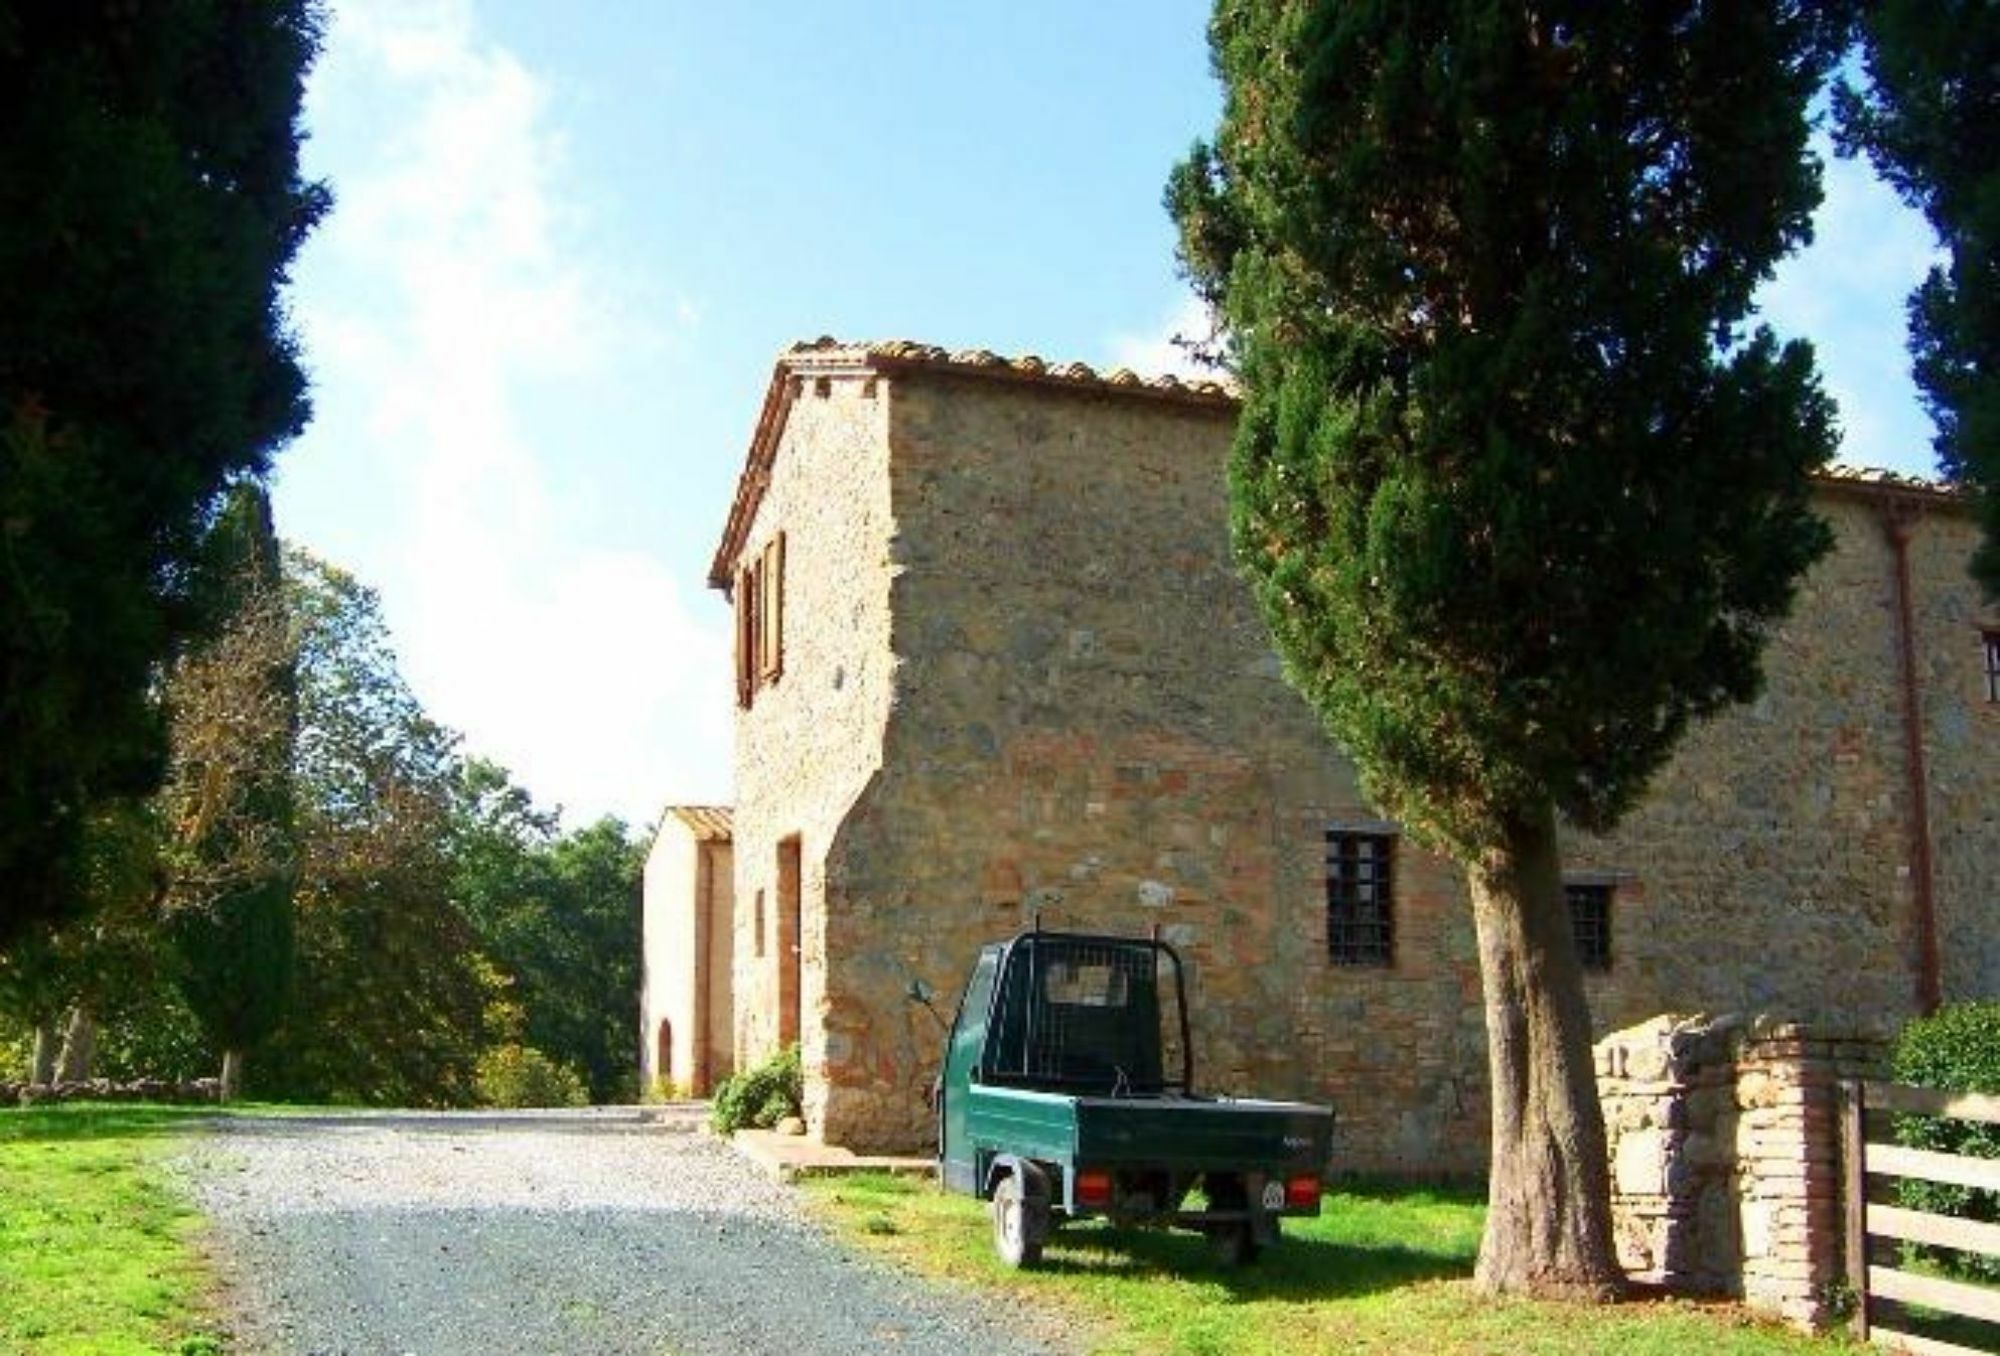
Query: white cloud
point(449, 307)
point(1155, 354)
point(1846, 293)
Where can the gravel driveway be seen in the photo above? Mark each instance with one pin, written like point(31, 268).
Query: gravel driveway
point(576, 1232)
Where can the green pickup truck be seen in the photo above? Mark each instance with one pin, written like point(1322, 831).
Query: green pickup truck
point(1068, 1092)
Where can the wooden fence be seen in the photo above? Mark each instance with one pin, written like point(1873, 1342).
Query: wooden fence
point(1862, 1158)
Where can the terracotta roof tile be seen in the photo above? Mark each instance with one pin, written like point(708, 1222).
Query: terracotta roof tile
point(708, 823)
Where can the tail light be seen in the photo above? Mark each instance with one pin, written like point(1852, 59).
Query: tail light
point(1093, 1187)
point(1301, 1193)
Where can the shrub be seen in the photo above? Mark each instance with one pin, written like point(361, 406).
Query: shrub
point(758, 1098)
point(663, 1090)
point(515, 1075)
point(1957, 1050)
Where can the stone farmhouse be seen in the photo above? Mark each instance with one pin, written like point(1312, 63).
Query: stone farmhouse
point(993, 662)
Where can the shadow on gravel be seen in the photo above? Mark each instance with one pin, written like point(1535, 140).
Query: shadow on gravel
point(561, 1121)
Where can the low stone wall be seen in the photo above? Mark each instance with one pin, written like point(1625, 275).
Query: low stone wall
point(110, 1090)
point(1725, 1156)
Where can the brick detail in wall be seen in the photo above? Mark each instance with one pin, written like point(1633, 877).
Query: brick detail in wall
point(1724, 1137)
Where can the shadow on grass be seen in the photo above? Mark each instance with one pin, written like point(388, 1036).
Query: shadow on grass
point(1296, 1270)
point(68, 1121)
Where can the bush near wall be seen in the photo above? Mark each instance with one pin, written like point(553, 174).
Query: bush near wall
point(1957, 1050)
point(759, 1097)
point(518, 1076)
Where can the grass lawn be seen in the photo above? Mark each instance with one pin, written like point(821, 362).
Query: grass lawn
point(1379, 1270)
point(97, 1253)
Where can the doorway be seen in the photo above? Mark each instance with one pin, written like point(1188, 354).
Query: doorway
point(789, 996)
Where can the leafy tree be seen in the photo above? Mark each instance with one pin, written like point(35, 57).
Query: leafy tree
point(1517, 496)
point(231, 853)
point(1929, 119)
point(560, 914)
point(150, 204)
point(593, 992)
point(390, 993)
point(98, 965)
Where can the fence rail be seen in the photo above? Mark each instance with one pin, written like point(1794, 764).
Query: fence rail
point(1862, 1158)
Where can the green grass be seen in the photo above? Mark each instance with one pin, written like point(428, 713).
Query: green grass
point(1380, 1270)
point(98, 1254)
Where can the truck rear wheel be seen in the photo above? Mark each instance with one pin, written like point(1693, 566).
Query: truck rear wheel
point(1020, 1222)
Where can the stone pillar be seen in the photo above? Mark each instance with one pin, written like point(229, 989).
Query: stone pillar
point(1725, 1153)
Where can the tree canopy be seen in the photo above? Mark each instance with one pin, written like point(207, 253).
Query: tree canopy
point(1518, 494)
point(150, 205)
point(1929, 118)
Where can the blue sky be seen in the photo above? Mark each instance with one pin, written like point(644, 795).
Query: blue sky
point(570, 239)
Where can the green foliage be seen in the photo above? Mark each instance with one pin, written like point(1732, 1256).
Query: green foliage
point(150, 205)
point(1957, 1050)
point(390, 992)
point(522, 1076)
point(560, 914)
point(1518, 497)
point(759, 1097)
point(1929, 118)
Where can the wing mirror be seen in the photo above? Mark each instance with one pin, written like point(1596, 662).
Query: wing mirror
point(922, 995)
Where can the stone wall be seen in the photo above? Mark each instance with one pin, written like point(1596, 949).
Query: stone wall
point(1089, 726)
point(1725, 1151)
point(1770, 867)
point(809, 742)
point(1022, 678)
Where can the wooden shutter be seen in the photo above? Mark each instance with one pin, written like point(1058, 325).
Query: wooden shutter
point(771, 610)
point(746, 638)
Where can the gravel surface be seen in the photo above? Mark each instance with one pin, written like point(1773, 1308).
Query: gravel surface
point(599, 1231)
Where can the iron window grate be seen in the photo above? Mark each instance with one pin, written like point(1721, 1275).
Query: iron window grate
point(1590, 922)
point(1360, 898)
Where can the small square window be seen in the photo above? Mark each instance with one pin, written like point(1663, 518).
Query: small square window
point(1993, 666)
point(1360, 898)
point(1590, 922)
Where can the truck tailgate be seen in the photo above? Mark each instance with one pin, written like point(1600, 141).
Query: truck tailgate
point(1192, 1133)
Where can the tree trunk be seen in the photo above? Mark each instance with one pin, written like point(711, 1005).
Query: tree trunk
point(79, 1047)
point(48, 1043)
point(1548, 1219)
point(232, 1075)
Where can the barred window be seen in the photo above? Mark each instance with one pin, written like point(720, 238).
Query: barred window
point(1360, 897)
point(1590, 922)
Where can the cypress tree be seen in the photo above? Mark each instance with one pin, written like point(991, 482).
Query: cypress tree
point(150, 205)
point(1929, 119)
point(228, 804)
point(1518, 495)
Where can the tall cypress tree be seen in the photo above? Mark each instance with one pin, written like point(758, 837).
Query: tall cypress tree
point(1929, 119)
point(1518, 497)
point(228, 805)
point(150, 205)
